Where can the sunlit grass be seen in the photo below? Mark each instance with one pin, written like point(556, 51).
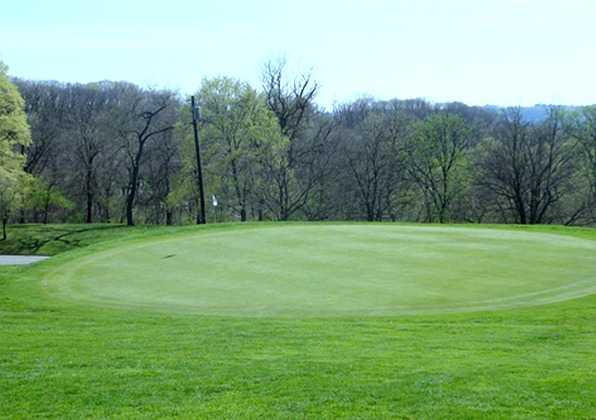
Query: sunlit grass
point(67, 358)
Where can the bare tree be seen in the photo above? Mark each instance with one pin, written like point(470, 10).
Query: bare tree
point(87, 112)
point(584, 131)
point(151, 115)
point(162, 164)
point(371, 142)
point(528, 165)
point(294, 177)
point(45, 104)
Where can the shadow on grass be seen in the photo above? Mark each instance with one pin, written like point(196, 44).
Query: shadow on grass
point(50, 239)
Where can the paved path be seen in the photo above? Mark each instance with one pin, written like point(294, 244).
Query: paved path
point(20, 259)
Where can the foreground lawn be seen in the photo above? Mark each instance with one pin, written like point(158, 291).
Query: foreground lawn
point(79, 338)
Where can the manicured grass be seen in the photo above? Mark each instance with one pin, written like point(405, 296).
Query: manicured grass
point(79, 338)
point(330, 270)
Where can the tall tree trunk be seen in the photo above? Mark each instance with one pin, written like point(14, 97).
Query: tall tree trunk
point(241, 197)
point(46, 211)
point(4, 223)
point(107, 215)
point(89, 196)
point(442, 211)
point(130, 205)
point(129, 216)
point(521, 211)
point(370, 214)
point(260, 212)
point(130, 198)
point(89, 212)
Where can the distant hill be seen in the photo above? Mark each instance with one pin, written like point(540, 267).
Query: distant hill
point(532, 113)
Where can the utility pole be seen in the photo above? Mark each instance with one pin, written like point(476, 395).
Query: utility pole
point(201, 217)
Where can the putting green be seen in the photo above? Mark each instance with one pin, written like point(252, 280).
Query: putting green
point(333, 270)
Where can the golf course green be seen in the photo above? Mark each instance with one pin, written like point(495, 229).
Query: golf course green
point(299, 320)
point(333, 270)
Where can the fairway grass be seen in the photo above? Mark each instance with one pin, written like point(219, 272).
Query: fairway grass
point(300, 321)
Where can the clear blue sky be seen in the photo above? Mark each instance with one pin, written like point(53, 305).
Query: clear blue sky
point(503, 52)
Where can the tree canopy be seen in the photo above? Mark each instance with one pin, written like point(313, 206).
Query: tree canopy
point(14, 138)
point(118, 152)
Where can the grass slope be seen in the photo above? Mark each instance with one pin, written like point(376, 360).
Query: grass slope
point(64, 359)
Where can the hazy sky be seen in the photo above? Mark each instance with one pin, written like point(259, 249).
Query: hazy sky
point(503, 52)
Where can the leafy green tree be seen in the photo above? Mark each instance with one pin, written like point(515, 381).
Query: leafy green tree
point(42, 197)
point(14, 137)
point(239, 132)
point(437, 161)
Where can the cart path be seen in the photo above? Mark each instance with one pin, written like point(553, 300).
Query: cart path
point(20, 259)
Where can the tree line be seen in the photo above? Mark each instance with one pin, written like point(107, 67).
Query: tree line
point(115, 152)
